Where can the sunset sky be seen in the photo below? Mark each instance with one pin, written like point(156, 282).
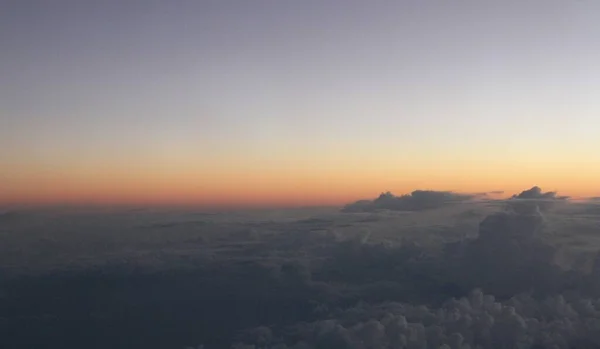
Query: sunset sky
point(307, 102)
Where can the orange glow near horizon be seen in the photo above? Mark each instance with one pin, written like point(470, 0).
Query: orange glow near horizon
point(215, 106)
point(247, 186)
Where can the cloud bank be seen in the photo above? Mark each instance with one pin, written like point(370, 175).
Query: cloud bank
point(529, 302)
point(463, 276)
point(418, 200)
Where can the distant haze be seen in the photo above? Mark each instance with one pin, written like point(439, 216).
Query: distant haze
point(295, 102)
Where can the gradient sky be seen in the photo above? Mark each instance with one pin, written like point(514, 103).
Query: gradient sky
point(295, 102)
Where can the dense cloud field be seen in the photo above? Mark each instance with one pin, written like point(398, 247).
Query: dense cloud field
point(424, 270)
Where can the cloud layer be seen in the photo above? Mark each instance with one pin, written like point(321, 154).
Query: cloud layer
point(476, 275)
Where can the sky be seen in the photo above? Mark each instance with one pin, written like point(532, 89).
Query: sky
point(295, 102)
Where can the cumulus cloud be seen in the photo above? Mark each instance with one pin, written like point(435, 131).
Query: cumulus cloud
point(510, 256)
point(534, 200)
point(314, 280)
point(478, 320)
point(529, 301)
point(418, 200)
point(536, 193)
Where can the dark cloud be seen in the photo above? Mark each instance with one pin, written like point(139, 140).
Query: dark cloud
point(490, 193)
point(319, 280)
point(509, 255)
point(418, 200)
point(536, 193)
point(588, 207)
point(534, 199)
point(477, 320)
point(528, 302)
point(10, 216)
point(16, 214)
